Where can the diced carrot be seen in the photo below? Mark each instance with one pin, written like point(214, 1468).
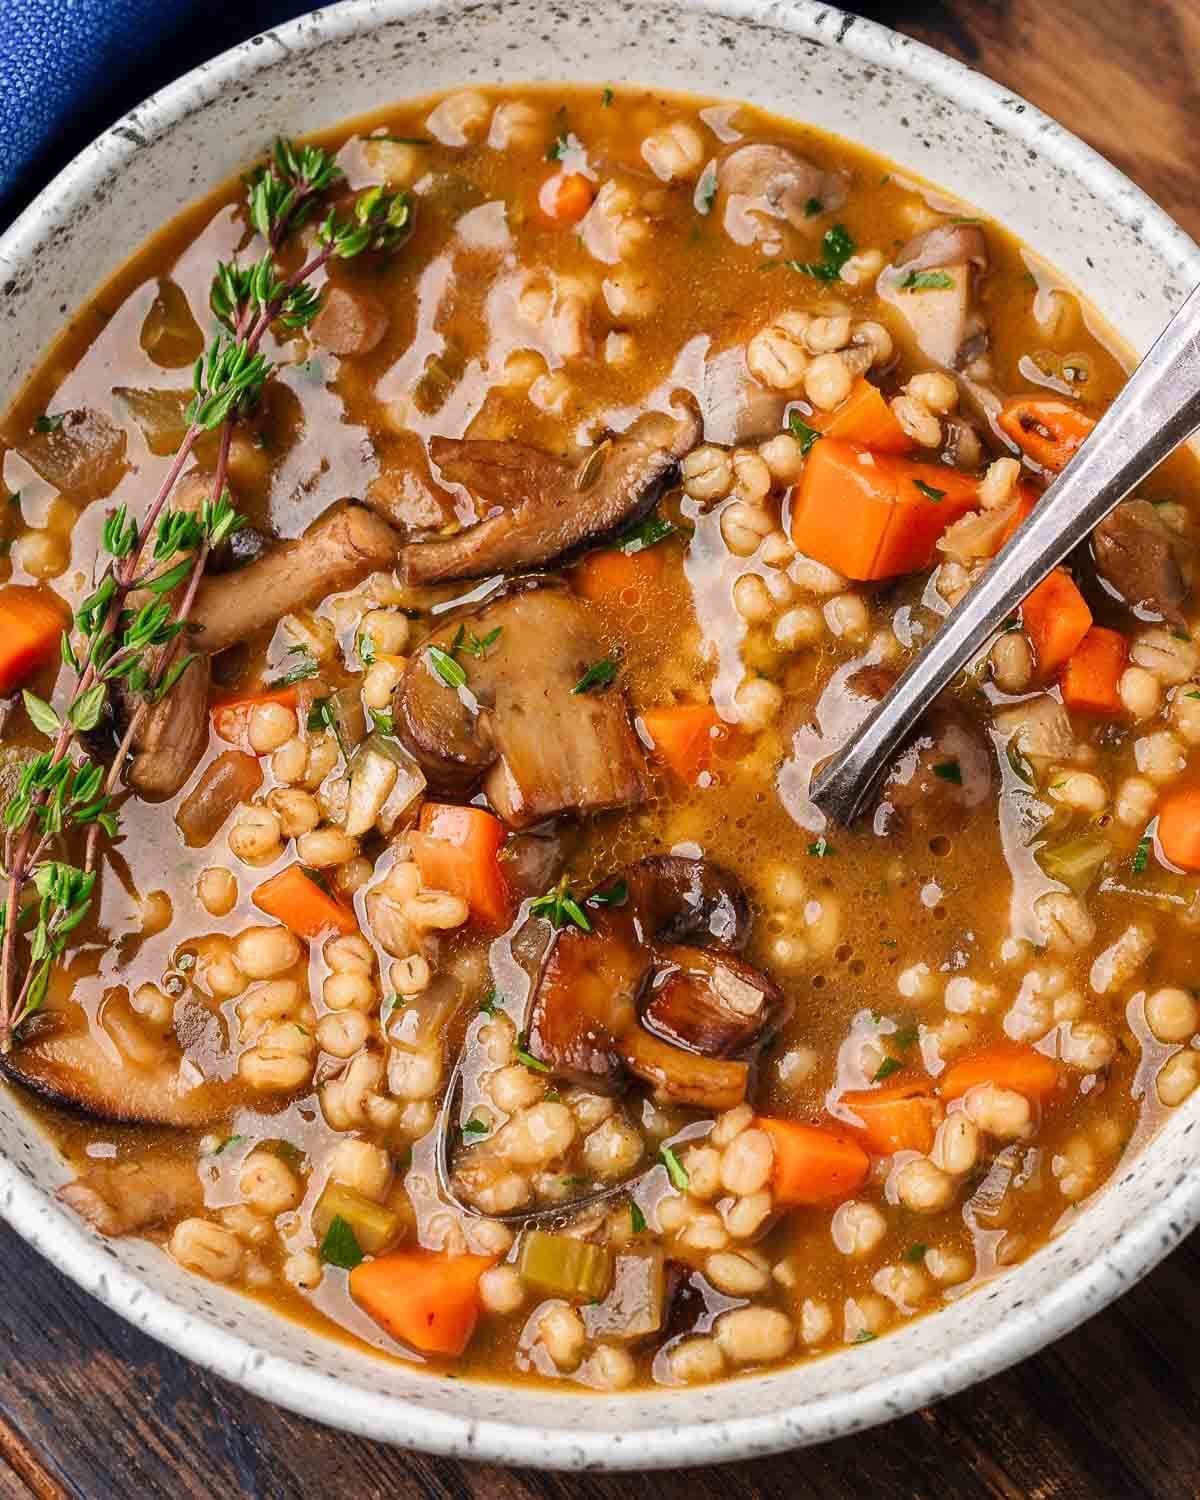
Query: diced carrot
point(864, 417)
point(813, 1164)
point(565, 197)
point(427, 1301)
point(1008, 1066)
point(1093, 670)
point(300, 903)
point(872, 515)
point(1056, 618)
point(1047, 428)
point(1027, 498)
point(610, 573)
point(31, 625)
point(682, 736)
point(897, 1117)
point(231, 720)
point(455, 849)
point(1179, 828)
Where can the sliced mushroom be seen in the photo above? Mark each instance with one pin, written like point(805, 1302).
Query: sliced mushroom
point(80, 452)
point(538, 747)
point(932, 284)
point(171, 735)
point(1138, 557)
point(736, 408)
point(584, 1014)
point(337, 552)
point(946, 767)
point(536, 508)
point(709, 1002)
point(123, 1197)
point(764, 182)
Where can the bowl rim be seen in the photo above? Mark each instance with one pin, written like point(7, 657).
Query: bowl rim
point(93, 1265)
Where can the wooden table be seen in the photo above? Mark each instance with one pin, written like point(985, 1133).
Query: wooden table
point(90, 1408)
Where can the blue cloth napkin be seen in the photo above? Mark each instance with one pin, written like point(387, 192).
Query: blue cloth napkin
point(69, 68)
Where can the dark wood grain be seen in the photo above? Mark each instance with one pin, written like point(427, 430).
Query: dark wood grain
point(89, 1408)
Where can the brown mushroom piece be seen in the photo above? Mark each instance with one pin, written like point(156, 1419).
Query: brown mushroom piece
point(536, 508)
point(1138, 558)
point(336, 552)
point(763, 182)
point(123, 1197)
point(736, 408)
point(945, 770)
point(517, 726)
point(932, 285)
point(654, 988)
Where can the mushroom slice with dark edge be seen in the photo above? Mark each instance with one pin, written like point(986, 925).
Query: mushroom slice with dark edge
point(337, 552)
point(75, 1068)
point(764, 181)
point(536, 508)
point(945, 770)
point(932, 285)
point(123, 1197)
point(709, 1002)
point(516, 724)
point(583, 1018)
point(1138, 557)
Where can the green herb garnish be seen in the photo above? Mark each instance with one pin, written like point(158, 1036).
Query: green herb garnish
point(863, 1336)
point(616, 895)
point(558, 148)
point(675, 1169)
point(1141, 857)
point(488, 1004)
point(340, 1246)
point(523, 1055)
point(813, 207)
point(450, 671)
point(560, 908)
point(599, 674)
point(366, 650)
point(805, 435)
point(229, 1142)
point(929, 492)
point(886, 1068)
point(49, 423)
point(927, 281)
point(637, 1219)
point(836, 249)
point(647, 533)
point(475, 1127)
point(606, 98)
point(383, 720)
point(949, 770)
point(822, 849)
point(915, 1253)
point(306, 666)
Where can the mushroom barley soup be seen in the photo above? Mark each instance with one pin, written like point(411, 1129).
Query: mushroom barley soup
point(434, 566)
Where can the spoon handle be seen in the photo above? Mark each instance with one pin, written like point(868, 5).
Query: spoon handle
point(1157, 409)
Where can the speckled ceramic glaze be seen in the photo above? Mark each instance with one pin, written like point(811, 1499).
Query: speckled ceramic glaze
point(927, 114)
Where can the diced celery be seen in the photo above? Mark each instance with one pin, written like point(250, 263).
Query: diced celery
point(1076, 863)
point(562, 1266)
point(636, 1305)
point(375, 1227)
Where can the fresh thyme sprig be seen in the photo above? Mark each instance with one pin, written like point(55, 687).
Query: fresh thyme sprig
point(128, 630)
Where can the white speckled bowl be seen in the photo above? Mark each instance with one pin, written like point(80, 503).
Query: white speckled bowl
point(803, 59)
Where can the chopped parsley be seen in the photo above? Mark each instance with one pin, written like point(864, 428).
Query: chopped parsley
point(813, 207)
point(14, 498)
point(523, 1055)
point(949, 770)
point(647, 533)
point(822, 849)
point(886, 1068)
point(637, 1219)
point(706, 190)
point(49, 423)
point(383, 720)
point(863, 1336)
point(320, 880)
point(915, 1253)
point(229, 1142)
point(366, 650)
point(599, 674)
point(393, 1002)
point(560, 908)
point(488, 1004)
point(474, 1127)
point(450, 671)
point(836, 249)
point(340, 1246)
point(1191, 695)
point(306, 666)
point(929, 492)
point(606, 98)
point(675, 1169)
point(616, 895)
point(1141, 856)
point(805, 435)
point(558, 147)
point(905, 1037)
point(927, 281)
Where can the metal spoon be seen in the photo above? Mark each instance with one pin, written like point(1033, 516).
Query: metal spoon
point(1158, 408)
